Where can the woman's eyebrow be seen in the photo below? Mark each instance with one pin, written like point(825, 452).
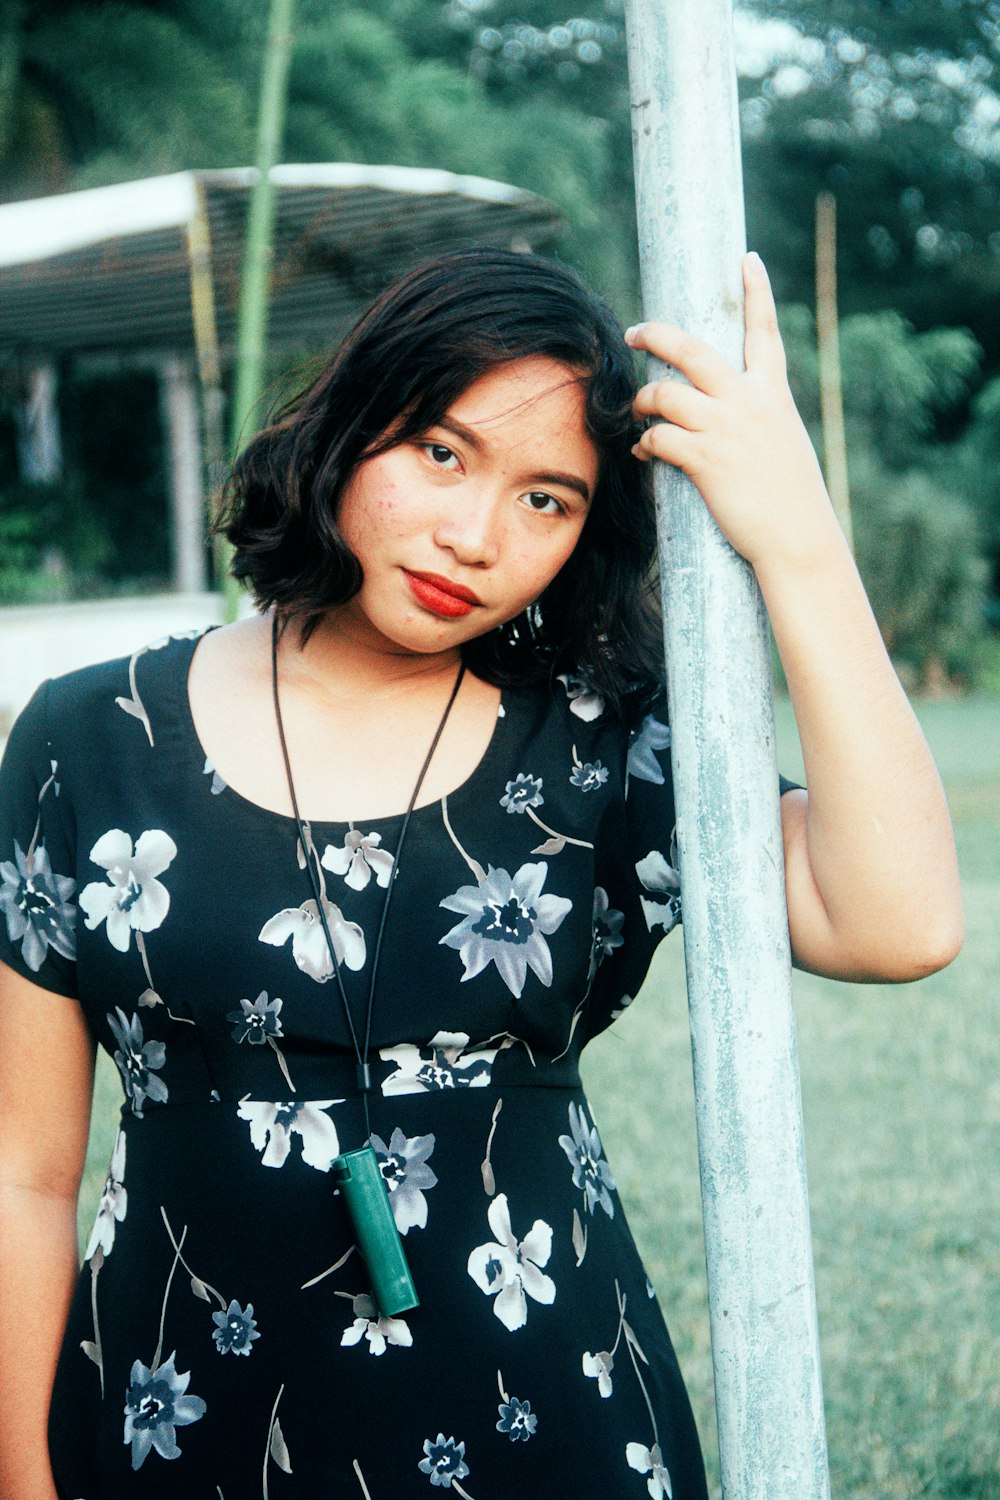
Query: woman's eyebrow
point(475, 442)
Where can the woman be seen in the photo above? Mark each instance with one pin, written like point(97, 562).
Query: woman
point(449, 541)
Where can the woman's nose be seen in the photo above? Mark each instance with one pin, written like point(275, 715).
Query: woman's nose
point(470, 527)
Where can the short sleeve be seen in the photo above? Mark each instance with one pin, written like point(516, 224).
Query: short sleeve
point(37, 861)
point(641, 885)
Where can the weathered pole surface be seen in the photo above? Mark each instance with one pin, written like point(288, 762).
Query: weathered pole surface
point(251, 335)
point(764, 1339)
point(831, 393)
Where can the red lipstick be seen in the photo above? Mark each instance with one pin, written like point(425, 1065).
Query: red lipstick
point(439, 595)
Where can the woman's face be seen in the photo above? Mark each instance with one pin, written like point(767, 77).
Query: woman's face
point(463, 526)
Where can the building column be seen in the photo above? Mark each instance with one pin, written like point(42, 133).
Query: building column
point(179, 405)
point(39, 441)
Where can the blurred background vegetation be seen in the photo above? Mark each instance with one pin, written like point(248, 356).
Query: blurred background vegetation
point(892, 105)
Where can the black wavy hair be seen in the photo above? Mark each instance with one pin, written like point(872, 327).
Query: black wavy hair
point(397, 373)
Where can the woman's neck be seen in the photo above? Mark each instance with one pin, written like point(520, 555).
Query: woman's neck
point(340, 660)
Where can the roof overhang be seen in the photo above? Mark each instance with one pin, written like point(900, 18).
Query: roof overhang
point(109, 269)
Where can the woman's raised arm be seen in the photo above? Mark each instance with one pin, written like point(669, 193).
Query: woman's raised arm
point(870, 863)
point(46, 1086)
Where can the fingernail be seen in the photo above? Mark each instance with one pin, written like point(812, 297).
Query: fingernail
point(756, 263)
point(630, 333)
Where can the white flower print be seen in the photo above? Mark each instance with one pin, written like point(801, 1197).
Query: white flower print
point(650, 1461)
point(309, 945)
point(36, 903)
point(403, 1164)
point(443, 1064)
point(505, 921)
point(598, 1367)
point(380, 1332)
point(642, 762)
point(135, 900)
point(510, 1270)
point(113, 1204)
point(273, 1125)
point(359, 860)
point(661, 879)
point(583, 700)
point(591, 1172)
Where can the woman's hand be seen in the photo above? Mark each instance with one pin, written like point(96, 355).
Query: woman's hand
point(870, 867)
point(738, 434)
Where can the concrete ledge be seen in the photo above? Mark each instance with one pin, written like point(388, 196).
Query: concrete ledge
point(45, 640)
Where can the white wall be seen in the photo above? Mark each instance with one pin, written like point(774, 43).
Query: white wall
point(39, 641)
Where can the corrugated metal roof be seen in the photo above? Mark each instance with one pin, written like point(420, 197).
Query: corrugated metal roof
point(108, 269)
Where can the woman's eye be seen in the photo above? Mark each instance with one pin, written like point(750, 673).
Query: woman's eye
point(440, 454)
point(543, 504)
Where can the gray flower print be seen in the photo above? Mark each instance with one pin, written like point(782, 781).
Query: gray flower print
point(273, 1125)
point(359, 859)
point(505, 921)
point(136, 1058)
point(642, 762)
point(155, 1405)
point(650, 1461)
point(443, 1064)
point(606, 932)
point(521, 793)
point(511, 1270)
point(403, 1164)
point(113, 1205)
point(583, 700)
point(517, 1419)
point(591, 1172)
point(135, 900)
point(36, 903)
point(380, 1332)
point(663, 882)
point(589, 776)
point(235, 1329)
point(309, 945)
point(256, 1020)
point(444, 1461)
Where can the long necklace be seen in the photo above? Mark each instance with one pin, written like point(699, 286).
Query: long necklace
point(357, 1173)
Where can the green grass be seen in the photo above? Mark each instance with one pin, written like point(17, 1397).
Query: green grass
point(901, 1098)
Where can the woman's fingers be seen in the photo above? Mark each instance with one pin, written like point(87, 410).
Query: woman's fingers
point(706, 369)
point(674, 401)
point(762, 346)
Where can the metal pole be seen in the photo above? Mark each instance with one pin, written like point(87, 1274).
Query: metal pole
point(251, 336)
point(764, 1339)
point(831, 393)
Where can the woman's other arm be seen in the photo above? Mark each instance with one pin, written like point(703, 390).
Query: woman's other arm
point(46, 1085)
point(870, 863)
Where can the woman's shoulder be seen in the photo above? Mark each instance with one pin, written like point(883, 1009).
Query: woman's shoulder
point(78, 702)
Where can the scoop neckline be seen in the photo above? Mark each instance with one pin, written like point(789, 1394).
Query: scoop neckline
point(231, 797)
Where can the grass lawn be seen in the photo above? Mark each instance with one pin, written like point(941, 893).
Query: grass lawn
point(901, 1096)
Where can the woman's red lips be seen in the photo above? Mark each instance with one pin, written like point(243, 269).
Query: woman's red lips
point(440, 595)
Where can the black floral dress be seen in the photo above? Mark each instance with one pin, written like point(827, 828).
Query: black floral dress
point(222, 1341)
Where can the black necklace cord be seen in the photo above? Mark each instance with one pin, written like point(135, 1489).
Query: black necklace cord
point(363, 1067)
